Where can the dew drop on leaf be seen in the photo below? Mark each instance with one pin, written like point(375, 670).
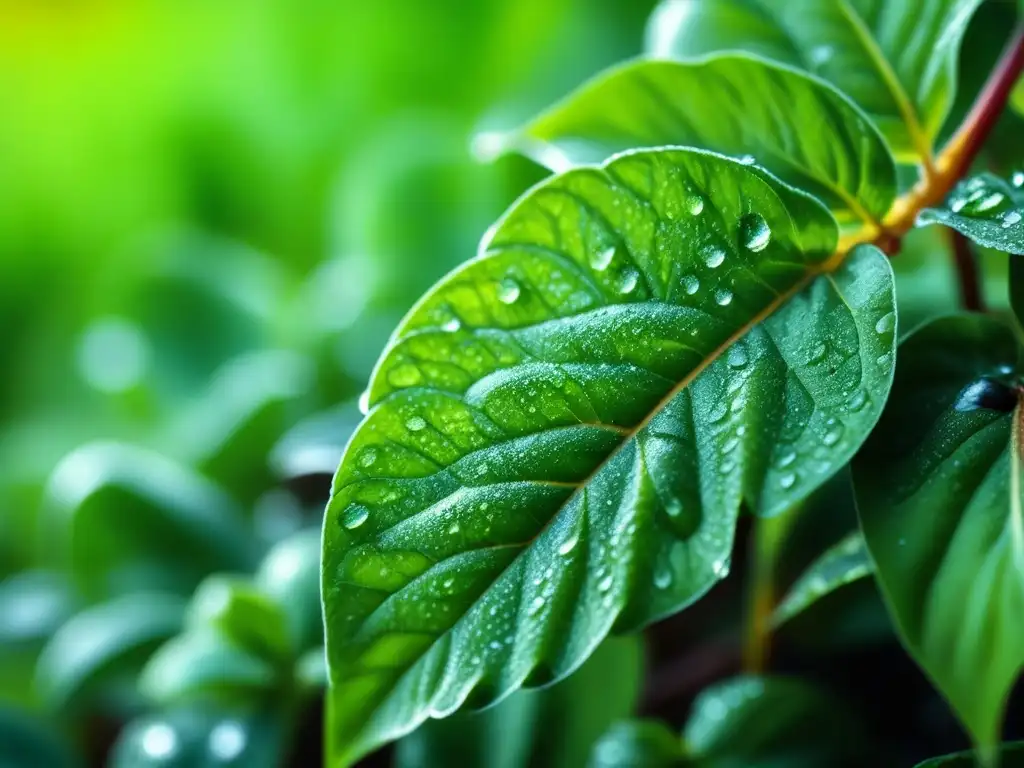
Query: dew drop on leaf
point(720, 568)
point(788, 480)
point(628, 280)
point(691, 284)
point(601, 259)
point(364, 402)
point(569, 544)
point(747, 159)
point(368, 457)
point(714, 257)
point(452, 325)
point(1010, 218)
point(723, 297)
point(663, 578)
point(988, 394)
point(405, 375)
point(831, 437)
point(737, 356)
point(1017, 179)
point(886, 323)
point(695, 204)
point(508, 291)
point(857, 400)
point(755, 233)
point(786, 459)
point(536, 606)
point(605, 584)
point(416, 424)
point(354, 516)
point(453, 529)
point(820, 55)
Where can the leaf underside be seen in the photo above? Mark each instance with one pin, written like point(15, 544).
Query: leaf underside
point(564, 429)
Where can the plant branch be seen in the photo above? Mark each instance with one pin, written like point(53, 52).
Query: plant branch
point(967, 270)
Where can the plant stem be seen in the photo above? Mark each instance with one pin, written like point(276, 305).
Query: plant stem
point(967, 270)
point(769, 537)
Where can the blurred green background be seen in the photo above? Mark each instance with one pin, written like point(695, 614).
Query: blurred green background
point(211, 216)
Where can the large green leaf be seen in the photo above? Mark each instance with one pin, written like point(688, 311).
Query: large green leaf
point(938, 488)
point(735, 104)
point(896, 59)
point(556, 726)
point(563, 430)
point(843, 563)
point(986, 209)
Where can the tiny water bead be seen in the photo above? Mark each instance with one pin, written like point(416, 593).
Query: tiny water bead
point(536, 606)
point(747, 159)
point(628, 280)
point(368, 458)
point(690, 284)
point(663, 578)
point(1010, 218)
point(354, 516)
point(723, 297)
point(714, 257)
point(1017, 179)
point(820, 55)
point(453, 325)
point(755, 234)
point(737, 356)
point(601, 259)
point(405, 375)
point(787, 480)
point(977, 197)
point(695, 204)
point(568, 545)
point(886, 323)
point(509, 291)
point(416, 424)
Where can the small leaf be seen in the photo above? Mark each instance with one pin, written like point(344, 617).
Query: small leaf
point(563, 430)
point(555, 726)
point(101, 641)
point(987, 210)
point(729, 104)
point(243, 614)
point(290, 575)
point(201, 738)
point(755, 721)
point(28, 743)
point(638, 744)
point(842, 564)
point(897, 60)
point(938, 490)
point(1011, 756)
point(201, 665)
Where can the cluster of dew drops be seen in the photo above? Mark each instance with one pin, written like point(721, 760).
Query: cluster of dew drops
point(977, 198)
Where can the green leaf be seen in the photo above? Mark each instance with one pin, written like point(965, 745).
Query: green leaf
point(779, 721)
point(1011, 756)
point(26, 742)
point(311, 669)
point(638, 744)
point(243, 614)
point(119, 517)
point(201, 738)
point(986, 209)
point(938, 489)
point(290, 575)
point(33, 605)
point(563, 430)
point(841, 564)
point(731, 104)
point(555, 726)
point(201, 665)
point(100, 642)
point(897, 60)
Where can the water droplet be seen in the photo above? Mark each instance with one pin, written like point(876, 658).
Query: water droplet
point(674, 508)
point(600, 260)
point(721, 568)
point(886, 323)
point(452, 325)
point(723, 297)
point(354, 516)
point(695, 204)
point(508, 291)
point(786, 459)
point(820, 55)
point(536, 606)
point(718, 412)
point(628, 280)
point(364, 402)
point(747, 159)
point(405, 375)
point(730, 445)
point(833, 434)
point(714, 257)
point(691, 285)
point(857, 400)
point(569, 544)
point(453, 529)
point(368, 458)
point(788, 480)
point(755, 233)
point(737, 356)
point(605, 584)
point(663, 578)
point(1017, 179)
point(1010, 218)
point(818, 352)
point(884, 361)
point(416, 424)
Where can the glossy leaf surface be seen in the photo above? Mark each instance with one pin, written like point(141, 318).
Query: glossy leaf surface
point(987, 209)
point(938, 489)
point(896, 59)
point(563, 430)
point(1010, 756)
point(734, 104)
point(841, 564)
point(638, 744)
point(553, 727)
point(100, 641)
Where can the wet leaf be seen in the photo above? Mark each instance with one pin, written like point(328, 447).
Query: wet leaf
point(987, 209)
point(845, 562)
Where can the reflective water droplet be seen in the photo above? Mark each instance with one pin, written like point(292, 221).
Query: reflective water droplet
point(747, 159)
point(405, 375)
point(452, 325)
point(1017, 179)
point(508, 291)
point(788, 480)
point(569, 544)
point(818, 352)
point(354, 516)
point(695, 204)
point(884, 361)
point(723, 297)
point(605, 584)
point(886, 323)
point(600, 260)
point(857, 400)
point(536, 606)
point(988, 394)
point(416, 424)
point(628, 280)
point(364, 402)
point(454, 528)
point(368, 457)
point(691, 284)
point(674, 507)
point(1010, 218)
point(737, 356)
point(786, 459)
point(831, 437)
point(730, 445)
point(662, 578)
point(755, 233)
point(714, 257)
point(718, 412)
point(720, 568)
point(820, 55)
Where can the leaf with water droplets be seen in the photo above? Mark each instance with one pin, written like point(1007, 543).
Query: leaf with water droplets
point(939, 495)
point(584, 460)
point(728, 104)
point(838, 566)
point(986, 209)
point(897, 60)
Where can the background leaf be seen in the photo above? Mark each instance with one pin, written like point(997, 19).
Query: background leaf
point(243, 615)
point(841, 564)
point(607, 324)
point(897, 60)
point(290, 575)
point(1011, 756)
point(26, 742)
point(939, 497)
point(638, 744)
point(987, 210)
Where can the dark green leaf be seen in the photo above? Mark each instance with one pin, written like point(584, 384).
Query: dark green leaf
point(986, 209)
point(28, 743)
point(101, 641)
point(33, 605)
point(555, 726)
point(896, 59)
point(778, 721)
point(200, 665)
point(290, 575)
point(243, 614)
point(638, 744)
point(1010, 756)
point(843, 563)
point(119, 518)
point(735, 104)
point(564, 429)
point(201, 738)
point(938, 489)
